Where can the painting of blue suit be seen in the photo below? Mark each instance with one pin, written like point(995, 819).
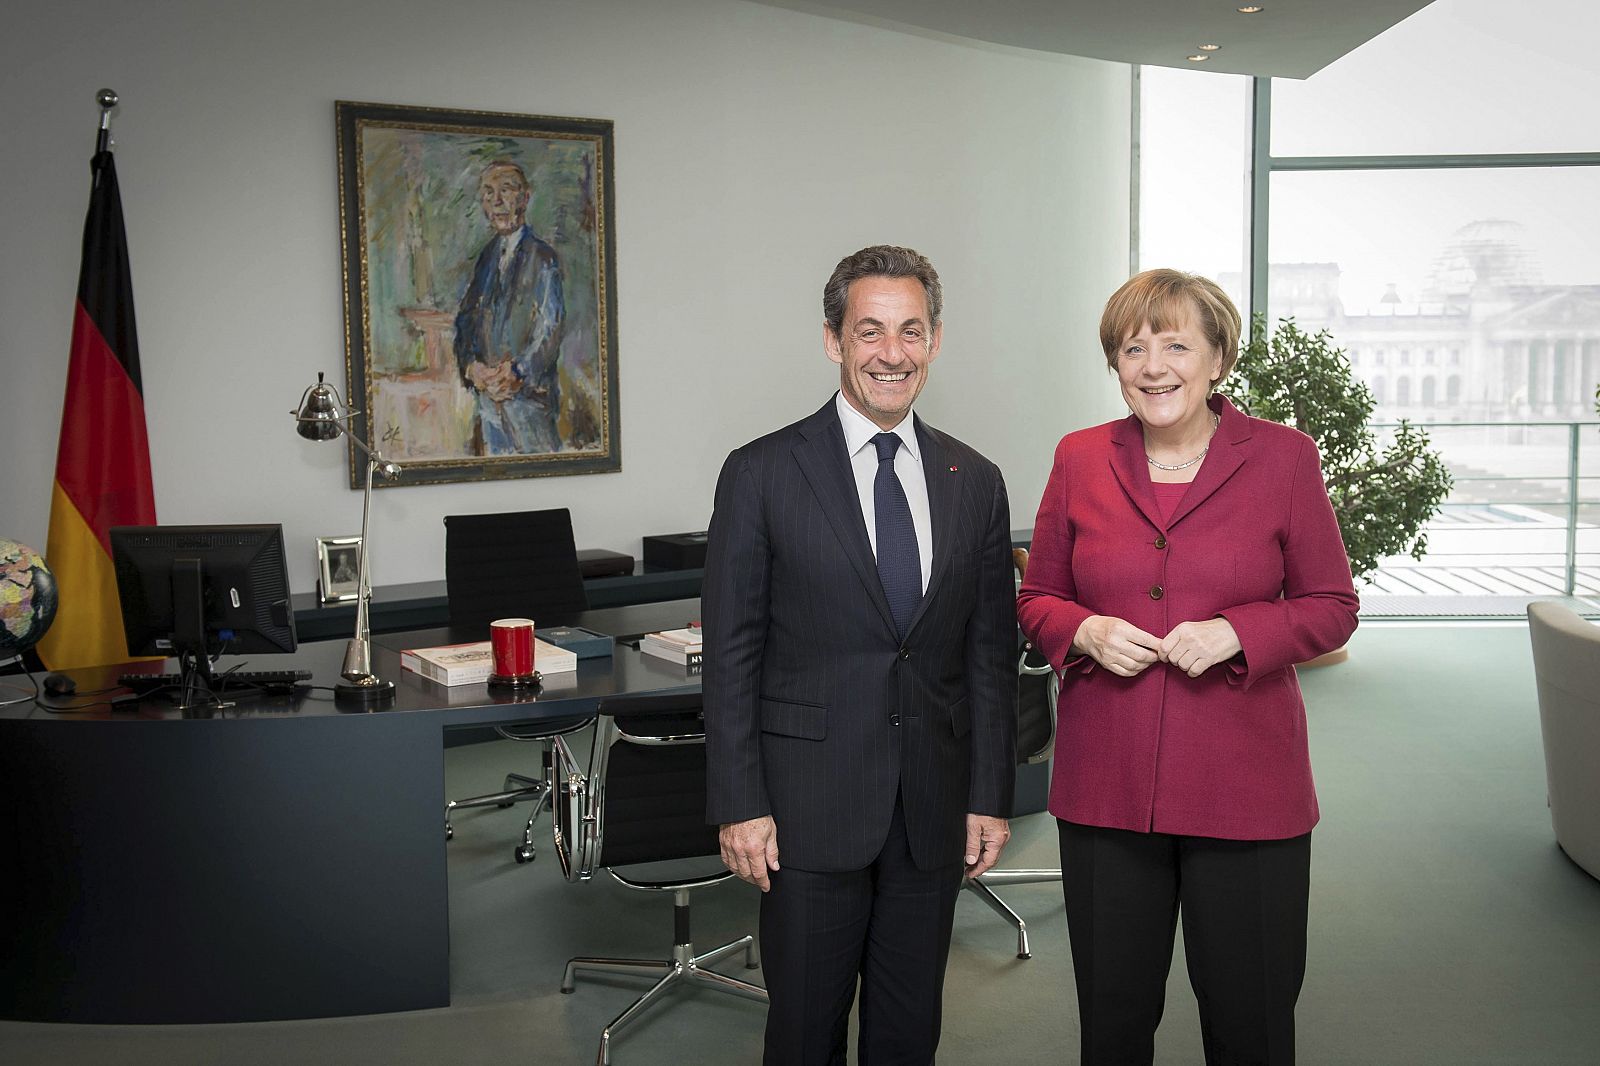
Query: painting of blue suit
point(508, 327)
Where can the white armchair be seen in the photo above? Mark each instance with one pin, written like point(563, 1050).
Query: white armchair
point(1566, 666)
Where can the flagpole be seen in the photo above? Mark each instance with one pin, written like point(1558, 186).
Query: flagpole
point(107, 99)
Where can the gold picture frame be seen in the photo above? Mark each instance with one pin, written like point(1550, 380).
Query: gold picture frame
point(480, 292)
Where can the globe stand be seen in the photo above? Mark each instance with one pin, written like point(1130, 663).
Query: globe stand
point(16, 688)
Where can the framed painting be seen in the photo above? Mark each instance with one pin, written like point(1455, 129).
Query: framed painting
point(479, 292)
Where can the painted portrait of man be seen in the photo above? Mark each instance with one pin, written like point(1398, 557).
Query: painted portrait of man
point(508, 330)
point(483, 325)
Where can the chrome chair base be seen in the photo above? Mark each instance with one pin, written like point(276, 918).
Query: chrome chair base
point(982, 887)
point(684, 967)
point(518, 787)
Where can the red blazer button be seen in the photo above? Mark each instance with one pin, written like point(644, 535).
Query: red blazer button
point(1156, 592)
point(1161, 542)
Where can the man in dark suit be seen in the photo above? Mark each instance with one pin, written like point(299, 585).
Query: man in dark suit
point(860, 630)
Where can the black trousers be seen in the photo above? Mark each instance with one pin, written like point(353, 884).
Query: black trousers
point(1243, 904)
point(888, 925)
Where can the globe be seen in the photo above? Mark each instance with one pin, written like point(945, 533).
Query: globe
point(28, 598)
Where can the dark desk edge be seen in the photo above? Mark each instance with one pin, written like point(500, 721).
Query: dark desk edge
point(423, 604)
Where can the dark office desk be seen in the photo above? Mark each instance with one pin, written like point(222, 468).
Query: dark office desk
point(283, 858)
point(422, 604)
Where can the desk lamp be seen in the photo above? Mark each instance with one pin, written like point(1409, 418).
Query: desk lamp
point(324, 416)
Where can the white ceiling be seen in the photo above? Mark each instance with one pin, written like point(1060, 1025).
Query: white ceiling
point(1287, 39)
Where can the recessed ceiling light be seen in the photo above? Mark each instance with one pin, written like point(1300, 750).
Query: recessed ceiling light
point(1209, 47)
point(1198, 58)
point(1249, 9)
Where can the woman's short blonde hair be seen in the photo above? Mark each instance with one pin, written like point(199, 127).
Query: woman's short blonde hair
point(1164, 299)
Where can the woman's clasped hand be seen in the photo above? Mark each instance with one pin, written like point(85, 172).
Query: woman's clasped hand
point(1125, 649)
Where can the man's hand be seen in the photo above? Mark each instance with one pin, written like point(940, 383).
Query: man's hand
point(1119, 646)
point(986, 839)
point(1195, 647)
point(750, 849)
point(498, 382)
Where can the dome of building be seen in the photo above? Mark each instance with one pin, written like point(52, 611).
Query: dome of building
point(1488, 253)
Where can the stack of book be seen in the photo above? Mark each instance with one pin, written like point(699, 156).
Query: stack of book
point(462, 664)
point(681, 646)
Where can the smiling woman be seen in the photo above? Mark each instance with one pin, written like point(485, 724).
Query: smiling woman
point(1171, 338)
point(1183, 559)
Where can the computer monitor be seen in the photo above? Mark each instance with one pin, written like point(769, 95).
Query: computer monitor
point(195, 592)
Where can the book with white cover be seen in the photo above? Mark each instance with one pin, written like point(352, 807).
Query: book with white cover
point(462, 664)
point(679, 645)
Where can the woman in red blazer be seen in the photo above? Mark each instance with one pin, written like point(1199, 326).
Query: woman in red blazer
point(1184, 559)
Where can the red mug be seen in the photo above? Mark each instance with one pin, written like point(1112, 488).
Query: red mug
point(512, 639)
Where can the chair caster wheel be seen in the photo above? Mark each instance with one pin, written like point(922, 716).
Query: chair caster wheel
point(449, 832)
point(523, 853)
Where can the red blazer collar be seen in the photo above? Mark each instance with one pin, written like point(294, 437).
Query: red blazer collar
point(1227, 455)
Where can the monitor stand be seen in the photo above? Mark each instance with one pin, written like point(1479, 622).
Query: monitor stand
point(196, 681)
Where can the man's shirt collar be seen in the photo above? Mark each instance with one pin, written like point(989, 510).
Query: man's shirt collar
point(859, 430)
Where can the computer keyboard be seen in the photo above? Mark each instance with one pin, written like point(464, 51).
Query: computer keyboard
point(265, 680)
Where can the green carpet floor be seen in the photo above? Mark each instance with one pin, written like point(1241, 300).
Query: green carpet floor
point(1447, 929)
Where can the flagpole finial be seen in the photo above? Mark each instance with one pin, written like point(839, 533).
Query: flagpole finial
point(107, 99)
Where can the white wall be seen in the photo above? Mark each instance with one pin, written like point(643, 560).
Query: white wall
point(754, 148)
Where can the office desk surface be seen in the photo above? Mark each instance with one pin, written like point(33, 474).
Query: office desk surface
point(627, 670)
point(283, 858)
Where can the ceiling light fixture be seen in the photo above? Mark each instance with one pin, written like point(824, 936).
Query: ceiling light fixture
point(1249, 9)
point(1198, 58)
point(1209, 47)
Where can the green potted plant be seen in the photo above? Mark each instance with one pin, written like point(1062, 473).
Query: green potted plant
point(1383, 493)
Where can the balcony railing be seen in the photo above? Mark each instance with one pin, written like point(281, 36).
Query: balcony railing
point(1521, 523)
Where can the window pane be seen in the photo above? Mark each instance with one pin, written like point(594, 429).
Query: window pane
point(1458, 76)
point(1194, 174)
point(1460, 294)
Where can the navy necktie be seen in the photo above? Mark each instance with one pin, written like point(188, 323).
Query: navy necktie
point(899, 561)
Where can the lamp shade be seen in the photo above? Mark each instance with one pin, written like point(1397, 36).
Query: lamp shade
point(321, 412)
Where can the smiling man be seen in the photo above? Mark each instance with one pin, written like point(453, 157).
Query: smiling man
point(860, 635)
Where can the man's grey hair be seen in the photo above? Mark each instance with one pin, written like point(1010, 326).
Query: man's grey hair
point(880, 261)
point(505, 164)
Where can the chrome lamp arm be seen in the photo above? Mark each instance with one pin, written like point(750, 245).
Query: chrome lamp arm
point(323, 415)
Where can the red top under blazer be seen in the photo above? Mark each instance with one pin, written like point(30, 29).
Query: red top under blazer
point(1254, 541)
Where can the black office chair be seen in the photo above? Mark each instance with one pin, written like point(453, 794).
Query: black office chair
point(642, 799)
point(1037, 686)
point(518, 564)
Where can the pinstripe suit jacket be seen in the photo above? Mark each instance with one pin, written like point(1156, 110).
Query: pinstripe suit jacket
point(816, 712)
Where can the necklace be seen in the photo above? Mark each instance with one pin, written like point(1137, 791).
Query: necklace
point(1216, 420)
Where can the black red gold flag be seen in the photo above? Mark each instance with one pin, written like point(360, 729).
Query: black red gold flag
point(103, 458)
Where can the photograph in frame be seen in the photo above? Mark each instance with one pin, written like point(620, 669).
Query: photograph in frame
point(338, 568)
point(480, 296)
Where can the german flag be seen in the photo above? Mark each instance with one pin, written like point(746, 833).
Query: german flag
point(103, 459)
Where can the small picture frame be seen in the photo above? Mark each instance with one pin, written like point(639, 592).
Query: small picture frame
point(339, 568)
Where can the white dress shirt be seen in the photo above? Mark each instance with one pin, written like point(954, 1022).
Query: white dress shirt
point(858, 434)
point(508, 249)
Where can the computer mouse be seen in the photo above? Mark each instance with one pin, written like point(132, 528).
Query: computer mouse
point(59, 685)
